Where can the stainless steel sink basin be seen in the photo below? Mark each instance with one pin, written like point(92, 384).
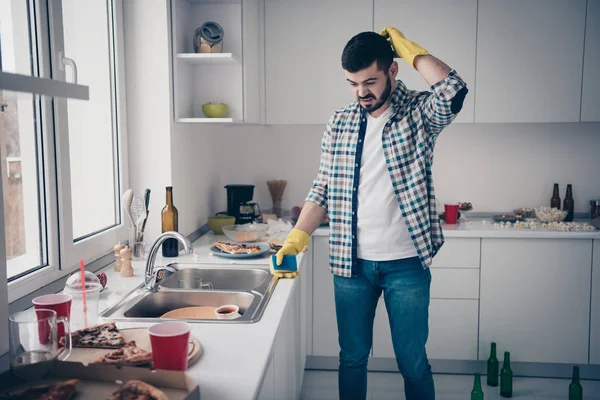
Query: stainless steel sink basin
point(156, 304)
point(216, 279)
point(248, 288)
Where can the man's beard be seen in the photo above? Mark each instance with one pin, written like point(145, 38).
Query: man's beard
point(382, 99)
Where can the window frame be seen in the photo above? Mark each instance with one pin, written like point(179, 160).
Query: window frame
point(63, 253)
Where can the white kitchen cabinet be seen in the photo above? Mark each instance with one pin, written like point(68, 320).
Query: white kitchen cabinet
point(324, 333)
point(454, 283)
point(452, 330)
point(535, 299)
point(448, 22)
point(530, 60)
point(306, 302)
point(590, 104)
point(458, 253)
point(285, 372)
point(267, 387)
point(453, 321)
point(304, 41)
point(595, 319)
point(221, 77)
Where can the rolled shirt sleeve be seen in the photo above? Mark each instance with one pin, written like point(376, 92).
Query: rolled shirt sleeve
point(319, 189)
point(443, 103)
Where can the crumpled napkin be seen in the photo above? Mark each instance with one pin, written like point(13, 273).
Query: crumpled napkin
point(279, 226)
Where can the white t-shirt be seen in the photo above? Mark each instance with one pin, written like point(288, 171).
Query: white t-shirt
point(382, 232)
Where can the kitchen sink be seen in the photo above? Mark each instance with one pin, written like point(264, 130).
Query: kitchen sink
point(248, 288)
point(156, 304)
point(215, 278)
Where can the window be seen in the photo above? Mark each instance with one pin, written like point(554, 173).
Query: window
point(62, 164)
point(91, 124)
point(21, 148)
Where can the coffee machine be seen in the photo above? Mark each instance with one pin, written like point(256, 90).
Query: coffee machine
point(239, 205)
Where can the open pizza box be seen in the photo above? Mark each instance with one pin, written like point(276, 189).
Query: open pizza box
point(98, 381)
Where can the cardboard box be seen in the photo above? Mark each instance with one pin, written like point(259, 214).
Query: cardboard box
point(98, 381)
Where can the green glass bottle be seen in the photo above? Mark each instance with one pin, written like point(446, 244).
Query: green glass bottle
point(575, 389)
point(492, 367)
point(477, 393)
point(506, 376)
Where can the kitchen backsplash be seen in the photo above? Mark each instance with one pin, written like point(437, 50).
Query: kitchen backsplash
point(497, 167)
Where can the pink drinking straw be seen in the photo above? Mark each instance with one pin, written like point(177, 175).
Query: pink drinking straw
point(81, 268)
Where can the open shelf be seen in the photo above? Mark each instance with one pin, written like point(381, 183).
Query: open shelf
point(206, 58)
point(206, 120)
point(200, 78)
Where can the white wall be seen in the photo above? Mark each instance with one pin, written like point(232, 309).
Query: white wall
point(163, 153)
point(146, 34)
point(195, 161)
point(497, 167)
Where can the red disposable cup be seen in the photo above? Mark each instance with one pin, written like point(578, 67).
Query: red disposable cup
point(170, 345)
point(60, 303)
point(451, 211)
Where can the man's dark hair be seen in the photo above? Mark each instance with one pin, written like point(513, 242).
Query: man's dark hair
point(365, 48)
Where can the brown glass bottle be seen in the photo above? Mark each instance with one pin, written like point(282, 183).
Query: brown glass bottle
point(170, 219)
point(569, 204)
point(555, 200)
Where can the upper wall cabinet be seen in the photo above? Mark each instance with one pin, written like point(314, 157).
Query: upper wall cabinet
point(450, 36)
point(304, 41)
point(529, 60)
point(217, 76)
point(590, 103)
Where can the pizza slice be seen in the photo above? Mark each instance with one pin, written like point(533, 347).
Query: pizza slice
point(130, 355)
point(103, 336)
point(236, 248)
point(138, 390)
point(57, 391)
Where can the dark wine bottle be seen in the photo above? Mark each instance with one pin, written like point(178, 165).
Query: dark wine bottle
point(477, 393)
point(506, 377)
point(170, 222)
point(492, 367)
point(569, 204)
point(555, 200)
point(575, 389)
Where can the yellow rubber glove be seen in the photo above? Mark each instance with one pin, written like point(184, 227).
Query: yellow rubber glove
point(403, 47)
point(295, 242)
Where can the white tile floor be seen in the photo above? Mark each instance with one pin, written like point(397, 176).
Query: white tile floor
point(322, 385)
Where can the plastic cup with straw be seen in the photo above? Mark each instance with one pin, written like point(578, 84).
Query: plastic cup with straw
point(85, 288)
point(82, 269)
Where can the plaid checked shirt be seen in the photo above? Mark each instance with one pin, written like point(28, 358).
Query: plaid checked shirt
point(408, 141)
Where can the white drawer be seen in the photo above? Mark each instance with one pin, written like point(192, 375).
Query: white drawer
point(453, 329)
point(458, 253)
point(454, 283)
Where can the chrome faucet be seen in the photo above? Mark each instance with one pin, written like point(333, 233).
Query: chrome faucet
point(151, 279)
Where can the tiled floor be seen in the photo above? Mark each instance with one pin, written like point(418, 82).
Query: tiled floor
point(322, 385)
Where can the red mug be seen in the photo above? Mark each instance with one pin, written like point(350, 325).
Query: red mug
point(451, 213)
point(170, 345)
point(60, 303)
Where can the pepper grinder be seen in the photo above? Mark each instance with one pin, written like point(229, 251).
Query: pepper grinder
point(117, 249)
point(126, 268)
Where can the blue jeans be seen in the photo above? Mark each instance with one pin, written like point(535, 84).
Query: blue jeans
point(405, 286)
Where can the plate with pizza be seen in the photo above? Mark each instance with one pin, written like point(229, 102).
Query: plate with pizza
point(239, 250)
point(107, 344)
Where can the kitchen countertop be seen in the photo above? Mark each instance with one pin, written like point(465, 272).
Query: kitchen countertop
point(484, 228)
point(234, 357)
